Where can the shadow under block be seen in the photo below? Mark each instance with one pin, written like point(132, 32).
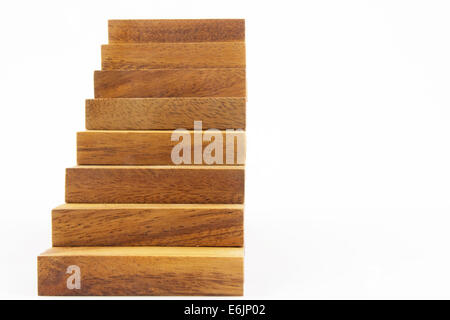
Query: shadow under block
point(148, 225)
point(156, 147)
point(173, 55)
point(124, 271)
point(164, 113)
point(155, 184)
point(160, 83)
point(195, 30)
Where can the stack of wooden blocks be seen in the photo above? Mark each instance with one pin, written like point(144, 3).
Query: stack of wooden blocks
point(134, 222)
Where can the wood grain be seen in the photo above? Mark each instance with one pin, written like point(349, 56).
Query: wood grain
point(173, 55)
point(151, 147)
point(229, 82)
point(164, 113)
point(134, 271)
point(195, 30)
point(148, 225)
point(155, 184)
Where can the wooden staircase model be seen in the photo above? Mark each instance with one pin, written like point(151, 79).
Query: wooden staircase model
point(134, 222)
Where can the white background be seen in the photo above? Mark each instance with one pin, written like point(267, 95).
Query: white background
point(348, 160)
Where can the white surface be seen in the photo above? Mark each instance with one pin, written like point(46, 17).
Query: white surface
point(348, 175)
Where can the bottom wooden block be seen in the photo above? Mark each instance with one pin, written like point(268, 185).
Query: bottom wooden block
point(135, 271)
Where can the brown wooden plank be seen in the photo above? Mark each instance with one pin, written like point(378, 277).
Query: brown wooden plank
point(134, 271)
point(164, 113)
point(157, 83)
point(155, 184)
point(211, 225)
point(156, 147)
point(182, 30)
point(173, 55)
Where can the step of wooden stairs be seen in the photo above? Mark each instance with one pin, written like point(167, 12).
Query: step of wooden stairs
point(157, 147)
point(173, 55)
point(182, 30)
point(122, 271)
point(165, 113)
point(192, 225)
point(160, 83)
point(155, 184)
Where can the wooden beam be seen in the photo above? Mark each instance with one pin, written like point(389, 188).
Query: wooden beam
point(157, 83)
point(164, 113)
point(173, 55)
point(134, 271)
point(155, 184)
point(155, 147)
point(191, 225)
point(195, 30)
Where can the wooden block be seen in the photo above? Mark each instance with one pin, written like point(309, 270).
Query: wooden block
point(164, 113)
point(191, 225)
point(159, 83)
point(173, 55)
point(135, 271)
point(195, 30)
point(155, 147)
point(155, 184)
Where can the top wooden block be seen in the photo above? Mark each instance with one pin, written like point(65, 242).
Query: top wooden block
point(196, 30)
